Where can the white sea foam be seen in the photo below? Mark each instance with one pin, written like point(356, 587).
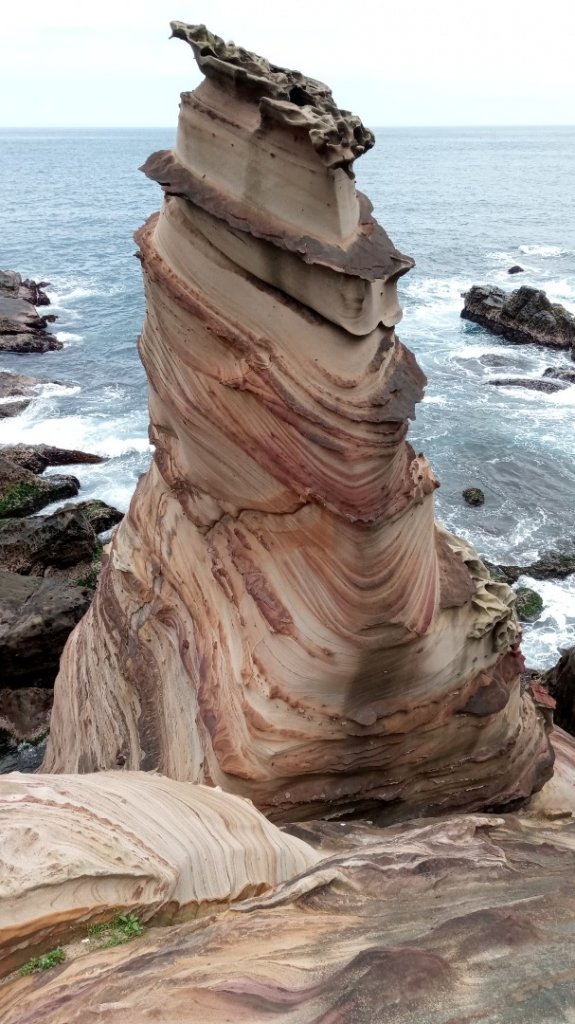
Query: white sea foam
point(545, 251)
point(544, 639)
point(51, 388)
point(68, 337)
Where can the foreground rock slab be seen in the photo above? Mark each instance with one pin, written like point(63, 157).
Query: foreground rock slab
point(75, 849)
point(436, 922)
point(36, 457)
point(279, 614)
point(525, 315)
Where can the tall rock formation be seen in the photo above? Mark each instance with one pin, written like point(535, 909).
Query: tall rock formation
point(280, 614)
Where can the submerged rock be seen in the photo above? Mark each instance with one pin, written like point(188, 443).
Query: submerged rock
point(14, 386)
point(516, 269)
point(525, 315)
point(552, 565)
point(36, 457)
point(280, 614)
point(560, 373)
point(474, 496)
point(532, 383)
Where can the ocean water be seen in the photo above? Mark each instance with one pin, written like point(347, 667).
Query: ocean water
point(467, 203)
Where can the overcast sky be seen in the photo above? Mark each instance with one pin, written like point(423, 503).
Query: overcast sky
point(394, 62)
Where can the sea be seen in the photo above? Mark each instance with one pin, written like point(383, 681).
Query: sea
point(466, 203)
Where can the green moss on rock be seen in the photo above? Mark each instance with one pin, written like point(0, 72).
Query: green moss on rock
point(528, 604)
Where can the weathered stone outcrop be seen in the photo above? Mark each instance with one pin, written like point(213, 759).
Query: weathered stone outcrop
point(279, 614)
point(23, 492)
point(36, 617)
point(525, 315)
point(560, 681)
point(16, 392)
point(467, 918)
point(22, 329)
point(82, 848)
point(36, 457)
point(29, 546)
point(552, 565)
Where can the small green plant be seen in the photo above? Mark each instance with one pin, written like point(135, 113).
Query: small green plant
point(19, 498)
point(120, 929)
point(44, 962)
point(91, 578)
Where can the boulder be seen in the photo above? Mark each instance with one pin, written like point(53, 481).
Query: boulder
point(36, 617)
point(82, 848)
point(9, 409)
point(516, 269)
point(560, 681)
point(474, 496)
point(22, 329)
point(532, 383)
point(560, 373)
point(100, 515)
point(28, 546)
point(36, 457)
point(19, 384)
point(525, 315)
point(25, 712)
point(22, 492)
point(280, 615)
point(552, 565)
point(528, 604)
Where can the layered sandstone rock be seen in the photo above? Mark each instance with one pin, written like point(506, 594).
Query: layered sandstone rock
point(76, 849)
point(279, 614)
point(436, 922)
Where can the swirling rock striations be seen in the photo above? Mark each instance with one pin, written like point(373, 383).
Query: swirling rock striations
point(468, 918)
point(76, 849)
point(279, 614)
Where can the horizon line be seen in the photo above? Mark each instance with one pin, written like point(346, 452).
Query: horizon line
point(163, 127)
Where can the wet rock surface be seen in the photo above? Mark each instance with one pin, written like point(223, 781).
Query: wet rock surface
point(552, 565)
point(36, 457)
point(23, 492)
point(528, 604)
point(525, 315)
point(531, 383)
point(22, 328)
point(474, 496)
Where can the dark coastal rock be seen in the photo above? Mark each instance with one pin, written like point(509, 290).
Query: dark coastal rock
point(560, 373)
point(516, 269)
point(36, 617)
point(16, 385)
point(9, 409)
point(22, 329)
point(494, 359)
point(474, 496)
point(552, 565)
point(25, 713)
point(528, 604)
point(36, 457)
point(525, 315)
point(99, 514)
point(532, 383)
point(22, 492)
point(560, 682)
point(29, 546)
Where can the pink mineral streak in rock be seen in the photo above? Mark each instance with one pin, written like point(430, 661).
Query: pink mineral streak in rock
point(280, 615)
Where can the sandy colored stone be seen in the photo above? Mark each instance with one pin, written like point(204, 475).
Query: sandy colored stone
point(76, 849)
point(280, 614)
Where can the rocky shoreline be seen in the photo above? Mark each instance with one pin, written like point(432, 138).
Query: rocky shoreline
point(49, 563)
